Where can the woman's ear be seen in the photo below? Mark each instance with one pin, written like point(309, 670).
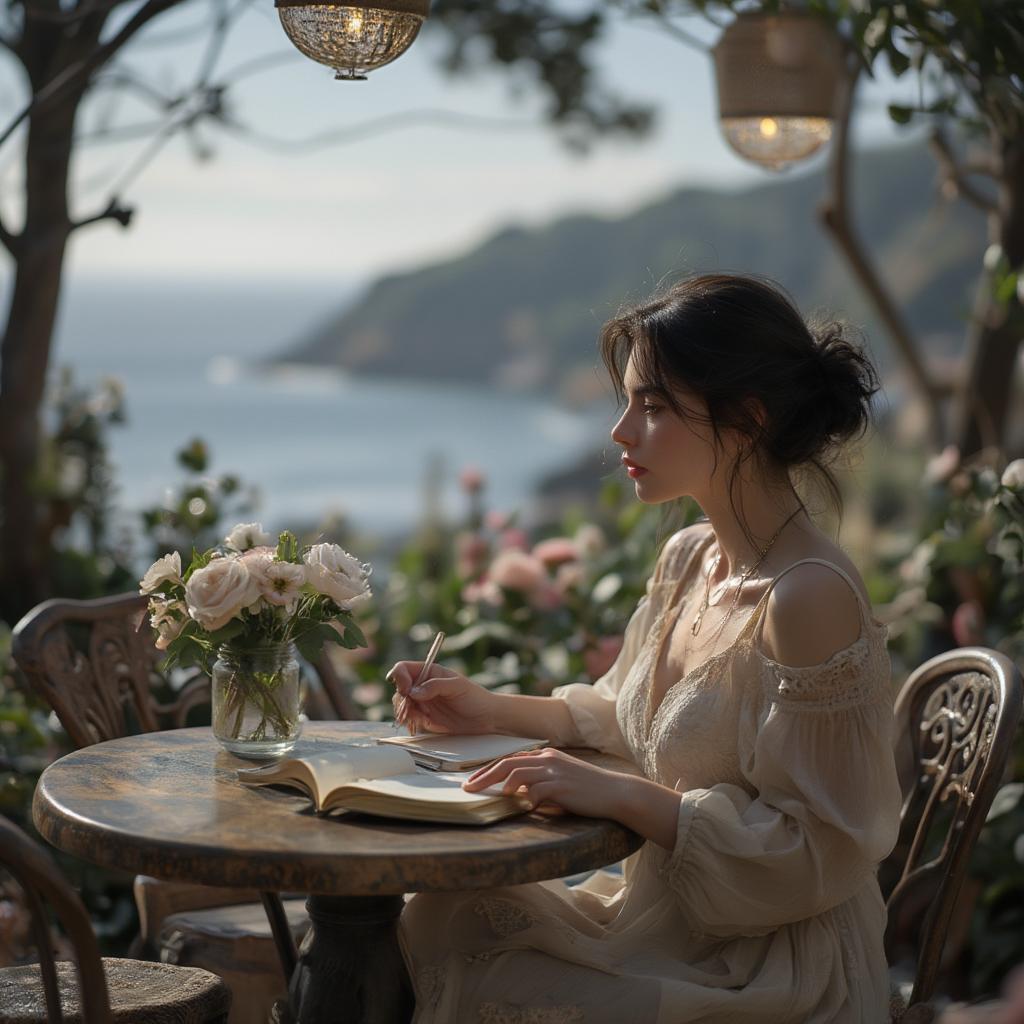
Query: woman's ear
point(755, 407)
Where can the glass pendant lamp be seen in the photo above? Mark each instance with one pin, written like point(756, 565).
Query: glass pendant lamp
point(352, 37)
point(777, 75)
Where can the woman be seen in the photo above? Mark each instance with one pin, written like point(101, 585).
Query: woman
point(752, 691)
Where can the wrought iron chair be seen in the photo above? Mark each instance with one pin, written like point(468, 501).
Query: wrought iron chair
point(96, 668)
point(143, 992)
point(956, 717)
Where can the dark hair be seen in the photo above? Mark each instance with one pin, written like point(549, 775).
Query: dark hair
point(740, 343)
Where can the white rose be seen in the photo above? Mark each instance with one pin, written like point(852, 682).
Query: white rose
point(247, 535)
point(336, 574)
point(279, 582)
point(1013, 475)
point(168, 618)
point(162, 570)
point(219, 591)
point(590, 539)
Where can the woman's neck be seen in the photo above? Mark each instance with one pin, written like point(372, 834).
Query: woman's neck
point(764, 510)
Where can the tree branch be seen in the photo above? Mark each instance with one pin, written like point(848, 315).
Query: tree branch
point(835, 213)
point(76, 75)
point(113, 211)
point(377, 126)
point(11, 242)
point(77, 13)
point(954, 175)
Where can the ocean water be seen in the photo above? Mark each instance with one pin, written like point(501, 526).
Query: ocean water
point(315, 442)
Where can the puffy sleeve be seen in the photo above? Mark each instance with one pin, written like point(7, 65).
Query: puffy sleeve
point(592, 707)
point(822, 809)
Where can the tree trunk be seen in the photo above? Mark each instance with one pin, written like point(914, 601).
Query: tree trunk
point(25, 355)
point(996, 329)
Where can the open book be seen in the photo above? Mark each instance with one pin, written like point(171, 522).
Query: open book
point(384, 780)
point(461, 753)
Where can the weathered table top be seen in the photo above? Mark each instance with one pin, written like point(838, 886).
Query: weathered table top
point(169, 804)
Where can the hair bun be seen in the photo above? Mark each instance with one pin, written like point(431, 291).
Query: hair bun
point(849, 381)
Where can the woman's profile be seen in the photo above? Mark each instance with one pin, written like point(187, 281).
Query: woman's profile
point(752, 691)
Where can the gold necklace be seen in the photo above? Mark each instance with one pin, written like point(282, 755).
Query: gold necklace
point(747, 573)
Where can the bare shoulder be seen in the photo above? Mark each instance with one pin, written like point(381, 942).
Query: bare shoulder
point(812, 613)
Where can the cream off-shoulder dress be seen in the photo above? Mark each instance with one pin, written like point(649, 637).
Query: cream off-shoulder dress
point(767, 909)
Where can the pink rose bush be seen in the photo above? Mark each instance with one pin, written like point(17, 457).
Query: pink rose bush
point(246, 593)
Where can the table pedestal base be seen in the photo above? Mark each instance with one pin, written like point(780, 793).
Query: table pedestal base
point(350, 968)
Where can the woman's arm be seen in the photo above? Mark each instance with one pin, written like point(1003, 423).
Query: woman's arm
point(552, 776)
point(542, 717)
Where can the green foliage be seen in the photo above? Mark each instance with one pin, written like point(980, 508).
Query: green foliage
point(962, 584)
point(192, 517)
point(75, 488)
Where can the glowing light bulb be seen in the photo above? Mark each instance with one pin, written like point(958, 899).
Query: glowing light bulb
point(769, 127)
point(355, 37)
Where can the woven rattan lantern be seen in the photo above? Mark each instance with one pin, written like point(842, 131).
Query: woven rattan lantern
point(778, 76)
point(353, 36)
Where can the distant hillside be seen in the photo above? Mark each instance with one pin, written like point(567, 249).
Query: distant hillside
point(522, 310)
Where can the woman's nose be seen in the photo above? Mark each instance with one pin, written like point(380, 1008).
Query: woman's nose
point(622, 434)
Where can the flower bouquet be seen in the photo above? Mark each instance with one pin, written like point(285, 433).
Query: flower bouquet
point(239, 611)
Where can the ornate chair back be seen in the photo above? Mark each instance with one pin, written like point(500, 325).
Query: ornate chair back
point(43, 885)
point(94, 665)
point(958, 713)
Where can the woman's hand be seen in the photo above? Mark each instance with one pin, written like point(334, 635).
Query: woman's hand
point(445, 702)
point(553, 777)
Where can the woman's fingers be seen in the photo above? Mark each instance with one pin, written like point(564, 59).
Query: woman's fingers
point(497, 770)
point(431, 689)
point(510, 771)
point(403, 674)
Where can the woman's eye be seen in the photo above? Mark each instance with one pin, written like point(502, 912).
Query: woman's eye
point(650, 410)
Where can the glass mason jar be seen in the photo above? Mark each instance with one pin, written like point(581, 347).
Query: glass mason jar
point(256, 700)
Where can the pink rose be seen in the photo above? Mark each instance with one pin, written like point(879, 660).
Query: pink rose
point(599, 657)
point(471, 551)
point(516, 570)
point(471, 480)
point(556, 550)
point(514, 538)
point(547, 597)
point(968, 624)
point(495, 520)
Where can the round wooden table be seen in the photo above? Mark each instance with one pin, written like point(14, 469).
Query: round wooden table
point(169, 804)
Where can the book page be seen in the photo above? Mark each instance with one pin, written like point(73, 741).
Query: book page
point(339, 767)
point(335, 767)
point(436, 787)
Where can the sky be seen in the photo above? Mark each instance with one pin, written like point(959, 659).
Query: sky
point(385, 201)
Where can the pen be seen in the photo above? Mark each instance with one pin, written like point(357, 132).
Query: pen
point(435, 647)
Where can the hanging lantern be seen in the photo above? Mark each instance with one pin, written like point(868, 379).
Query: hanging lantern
point(355, 36)
point(778, 75)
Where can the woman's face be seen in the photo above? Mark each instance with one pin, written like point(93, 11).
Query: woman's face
point(666, 456)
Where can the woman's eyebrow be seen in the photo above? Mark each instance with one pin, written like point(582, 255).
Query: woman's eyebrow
point(645, 391)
